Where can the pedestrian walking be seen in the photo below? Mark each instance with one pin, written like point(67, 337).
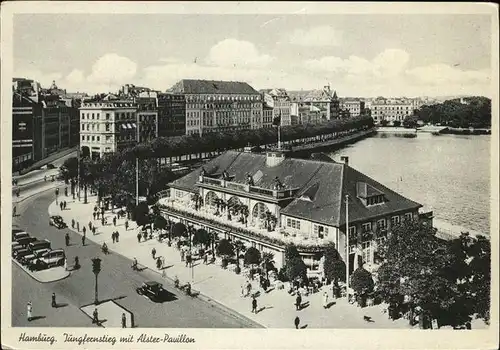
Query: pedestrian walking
point(254, 305)
point(159, 263)
point(153, 252)
point(296, 322)
point(84, 230)
point(117, 237)
point(65, 205)
point(242, 290)
point(205, 258)
point(78, 226)
point(61, 204)
point(97, 215)
point(93, 230)
point(113, 237)
point(114, 221)
point(325, 300)
point(163, 273)
point(66, 238)
point(72, 223)
point(298, 301)
point(54, 304)
point(124, 321)
point(126, 225)
point(90, 226)
point(65, 264)
point(94, 214)
point(102, 220)
point(139, 237)
point(29, 311)
point(182, 255)
point(14, 211)
point(66, 191)
point(83, 240)
point(45, 178)
point(95, 316)
point(249, 288)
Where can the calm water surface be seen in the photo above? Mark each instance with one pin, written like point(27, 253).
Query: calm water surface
point(449, 174)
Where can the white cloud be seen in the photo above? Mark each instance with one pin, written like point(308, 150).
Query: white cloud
point(237, 53)
point(112, 69)
point(440, 74)
point(316, 36)
point(76, 76)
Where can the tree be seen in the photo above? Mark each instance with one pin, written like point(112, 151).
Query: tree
point(69, 169)
point(179, 230)
point(295, 268)
point(225, 248)
point(396, 123)
point(252, 256)
point(160, 223)
point(362, 283)
point(201, 237)
point(239, 247)
point(384, 122)
point(268, 263)
point(333, 265)
point(141, 214)
point(413, 275)
point(85, 152)
point(410, 122)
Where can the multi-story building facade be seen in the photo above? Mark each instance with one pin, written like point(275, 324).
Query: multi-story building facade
point(267, 116)
point(391, 110)
point(326, 101)
point(107, 125)
point(218, 105)
point(289, 201)
point(147, 116)
point(171, 114)
point(305, 113)
point(41, 125)
point(354, 107)
point(279, 100)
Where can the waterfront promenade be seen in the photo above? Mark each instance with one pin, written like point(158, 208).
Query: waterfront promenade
point(276, 307)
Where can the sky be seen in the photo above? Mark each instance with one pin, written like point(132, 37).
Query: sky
point(357, 55)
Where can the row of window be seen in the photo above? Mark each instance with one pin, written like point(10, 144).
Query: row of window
point(295, 224)
point(375, 200)
point(392, 108)
point(381, 223)
point(223, 98)
point(97, 116)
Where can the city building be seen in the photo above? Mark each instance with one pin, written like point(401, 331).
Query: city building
point(279, 100)
point(107, 125)
point(304, 113)
point(171, 114)
point(326, 101)
point(289, 200)
point(267, 116)
point(147, 115)
point(218, 105)
point(130, 90)
point(391, 110)
point(41, 124)
point(354, 107)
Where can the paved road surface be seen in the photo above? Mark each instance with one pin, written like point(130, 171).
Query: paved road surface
point(116, 281)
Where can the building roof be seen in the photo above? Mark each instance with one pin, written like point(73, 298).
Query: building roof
point(324, 95)
point(189, 86)
point(322, 186)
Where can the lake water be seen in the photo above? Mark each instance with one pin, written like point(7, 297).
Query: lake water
point(448, 174)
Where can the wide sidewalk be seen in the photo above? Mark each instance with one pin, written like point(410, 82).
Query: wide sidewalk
point(277, 309)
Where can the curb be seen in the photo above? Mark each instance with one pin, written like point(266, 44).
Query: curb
point(36, 193)
point(36, 279)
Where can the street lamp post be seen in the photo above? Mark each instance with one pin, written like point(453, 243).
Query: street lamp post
point(137, 165)
point(347, 244)
point(96, 268)
point(57, 195)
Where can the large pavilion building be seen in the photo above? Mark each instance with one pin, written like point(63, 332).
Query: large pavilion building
point(269, 200)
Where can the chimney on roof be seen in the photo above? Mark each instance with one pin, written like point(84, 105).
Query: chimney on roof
point(274, 157)
point(345, 159)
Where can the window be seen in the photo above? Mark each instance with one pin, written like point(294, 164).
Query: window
point(381, 224)
point(108, 138)
point(107, 116)
point(98, 139)
point(92, 115)
point(93, 138)
point(295, 224)
point(395, 220)
point(88, 127)
point(83, 138)
point(320, 231)
point(366, 251)
point(107, 127)
point(352, 230)
point(408, 217)
point(367, 226)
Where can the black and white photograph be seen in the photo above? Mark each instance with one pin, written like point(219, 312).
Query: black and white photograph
point(174, 171)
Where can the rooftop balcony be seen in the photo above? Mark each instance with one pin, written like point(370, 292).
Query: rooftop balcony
point(255, 190)
point(255, 227)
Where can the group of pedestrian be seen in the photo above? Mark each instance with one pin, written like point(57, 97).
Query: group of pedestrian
point(115, 236)
point(63, 205)
point(246, 289)
point(96, 215)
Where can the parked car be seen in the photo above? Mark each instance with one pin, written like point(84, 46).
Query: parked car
point(39, 244)
point(51, 258)
point(22, 234)
point(152, 290)
point(57, 221)
point(31, 260)
point(21, 253)
point(24, 241)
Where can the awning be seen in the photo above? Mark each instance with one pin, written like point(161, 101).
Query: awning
point(134, 126)
point(124, 126)
point(129, 126)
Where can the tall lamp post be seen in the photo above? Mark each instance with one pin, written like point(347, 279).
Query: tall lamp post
point(96, 268)
point(347, 245)
point(57, 195)
point(137, 165)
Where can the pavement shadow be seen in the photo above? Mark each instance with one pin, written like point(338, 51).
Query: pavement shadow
point(61, 305)
point(368, 319)
point(264, 308)
point(330, 304)
point(303, 327)
point(37, 318)
point(167, 267)
point(304, 305)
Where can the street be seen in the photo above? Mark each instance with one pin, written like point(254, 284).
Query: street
point(116, 282)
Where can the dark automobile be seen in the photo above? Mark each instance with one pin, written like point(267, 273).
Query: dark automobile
point(24, 241)
point(57, 221)
point(154, 291)
point(21, 253)
point(31, 259)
